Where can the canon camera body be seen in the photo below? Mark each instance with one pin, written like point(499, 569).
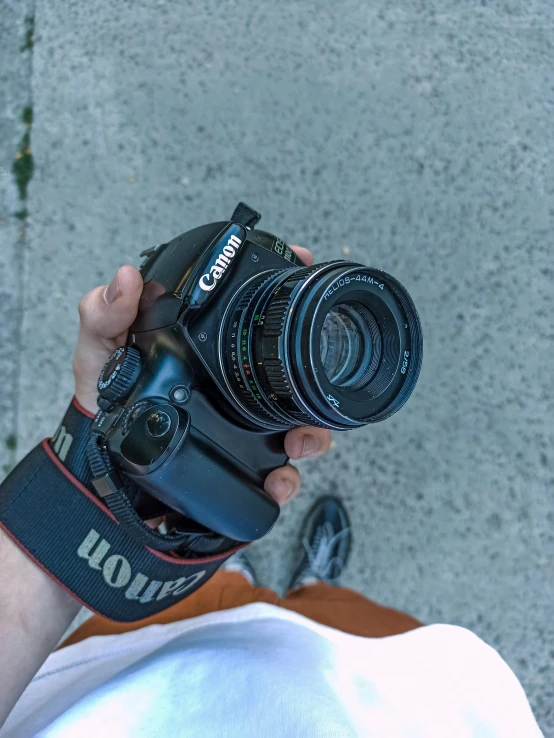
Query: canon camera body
point(236, 341)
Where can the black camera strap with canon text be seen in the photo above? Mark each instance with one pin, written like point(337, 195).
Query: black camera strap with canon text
point(50, 508)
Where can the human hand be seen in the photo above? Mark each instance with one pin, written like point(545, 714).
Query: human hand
point(106, 313)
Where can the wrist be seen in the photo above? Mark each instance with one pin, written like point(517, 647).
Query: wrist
point(37, 592)
point(35, 612)
point(85, 400)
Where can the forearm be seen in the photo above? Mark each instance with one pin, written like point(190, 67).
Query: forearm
point(34, 614)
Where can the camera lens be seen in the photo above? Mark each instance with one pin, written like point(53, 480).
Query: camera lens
point(346, 344)
point(337, 345)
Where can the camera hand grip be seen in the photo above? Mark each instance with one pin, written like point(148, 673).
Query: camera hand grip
point(205, 484)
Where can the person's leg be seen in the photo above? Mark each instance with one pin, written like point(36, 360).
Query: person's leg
point(347, 610)
point(325, 548)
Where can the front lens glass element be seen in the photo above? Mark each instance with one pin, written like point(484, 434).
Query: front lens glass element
point(346, 344)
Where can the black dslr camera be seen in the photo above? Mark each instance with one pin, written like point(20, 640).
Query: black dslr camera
point(235, 342)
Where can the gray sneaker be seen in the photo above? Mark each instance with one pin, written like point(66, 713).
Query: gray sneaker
point(325, 544)
point(241, 563)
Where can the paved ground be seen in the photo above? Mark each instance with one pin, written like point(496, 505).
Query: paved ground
point(418, 135)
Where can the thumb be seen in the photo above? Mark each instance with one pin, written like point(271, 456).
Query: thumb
point(107, 312)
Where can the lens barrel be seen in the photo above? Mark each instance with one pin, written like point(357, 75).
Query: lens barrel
point(336, 345)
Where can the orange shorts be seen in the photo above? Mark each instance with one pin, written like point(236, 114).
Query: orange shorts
point(337, 607)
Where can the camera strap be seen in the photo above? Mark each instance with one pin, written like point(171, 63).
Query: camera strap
point(245, 215)
point(50, 508)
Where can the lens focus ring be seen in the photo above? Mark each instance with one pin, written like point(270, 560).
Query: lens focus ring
point(277, 379)
point(275, 372)
point(275, 316)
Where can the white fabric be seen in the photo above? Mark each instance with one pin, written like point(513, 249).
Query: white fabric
point(262, 671)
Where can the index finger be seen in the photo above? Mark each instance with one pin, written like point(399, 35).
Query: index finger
point(304, 254)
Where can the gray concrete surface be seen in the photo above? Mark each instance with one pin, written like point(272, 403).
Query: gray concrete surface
point(15, 95)
point(416, 135)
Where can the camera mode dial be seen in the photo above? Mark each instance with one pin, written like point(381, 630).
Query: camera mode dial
point(119, 375)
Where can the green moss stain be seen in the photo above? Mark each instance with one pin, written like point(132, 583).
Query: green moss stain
point(23, 164)
point(29, 33)
point(27, 116)
point(11, 444)
point(21, 214)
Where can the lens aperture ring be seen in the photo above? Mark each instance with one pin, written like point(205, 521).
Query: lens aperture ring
point(239, 362)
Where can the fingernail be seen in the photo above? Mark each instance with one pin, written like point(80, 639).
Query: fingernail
point(288, 489)
point(309, 445)
point(112, 291)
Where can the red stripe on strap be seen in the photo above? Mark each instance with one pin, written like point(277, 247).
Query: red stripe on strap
point(82, 409)
point(75, 482)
